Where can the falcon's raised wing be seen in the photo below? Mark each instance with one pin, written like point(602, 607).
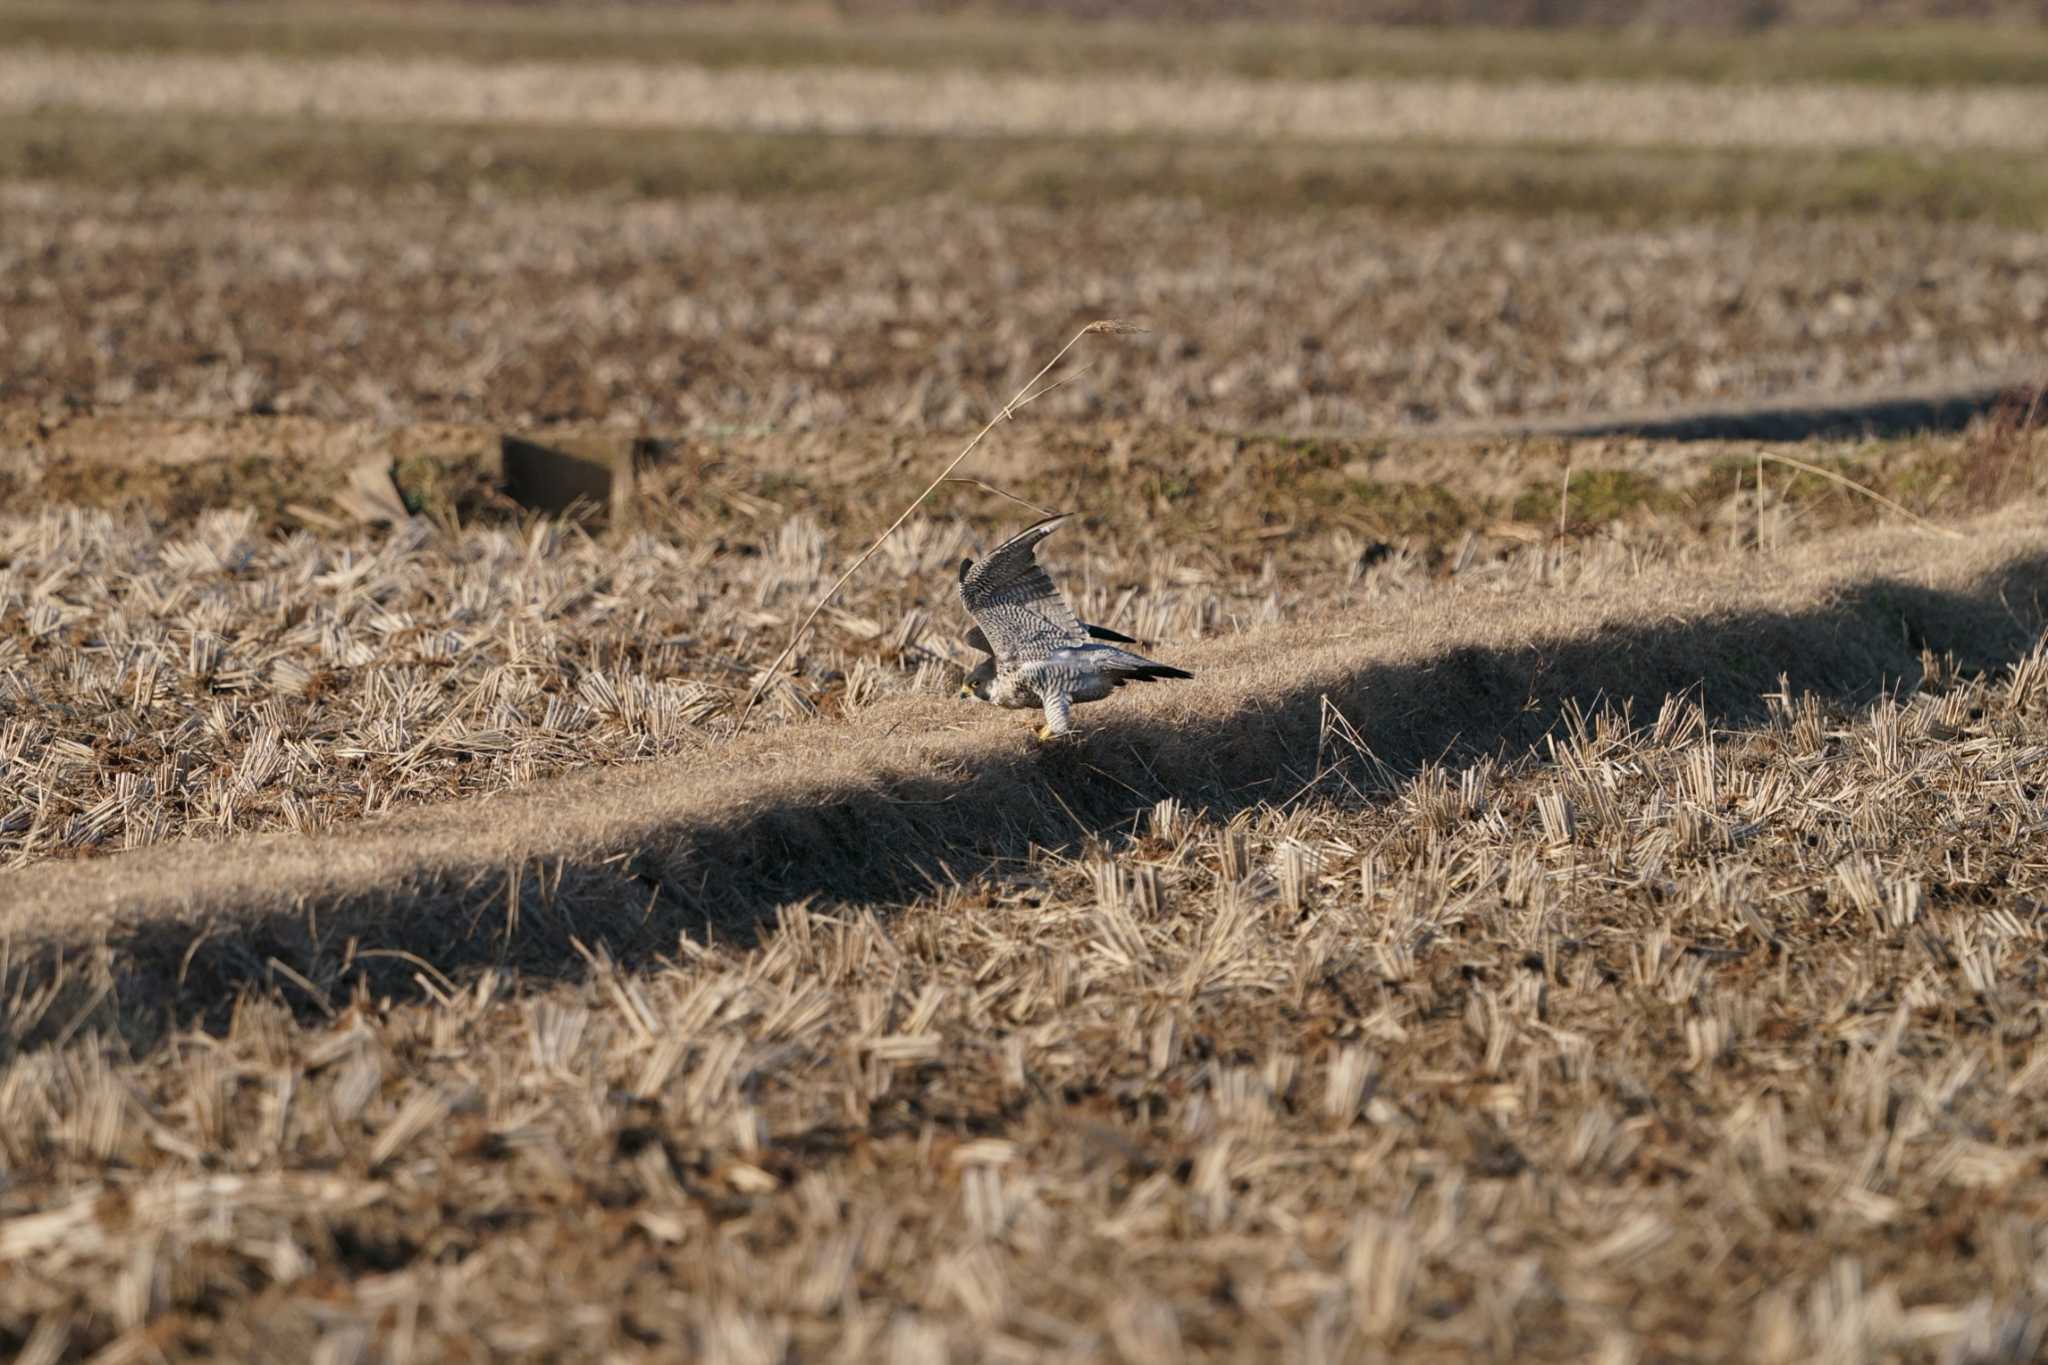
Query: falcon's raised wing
point(1021, 615)
point(976, 640)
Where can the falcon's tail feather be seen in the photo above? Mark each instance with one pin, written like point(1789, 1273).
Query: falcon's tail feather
point(1121, 664)
point(1151, 673)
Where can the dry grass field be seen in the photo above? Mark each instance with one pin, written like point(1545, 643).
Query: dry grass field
point(853, 100)
point(227, 671)
point(1703, 1027)
point(1916, 43)
point(1589, 904)
point(718, 315)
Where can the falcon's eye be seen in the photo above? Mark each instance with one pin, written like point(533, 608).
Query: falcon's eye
point(967, 690)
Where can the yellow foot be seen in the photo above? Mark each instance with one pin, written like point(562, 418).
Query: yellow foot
point(1047, 734)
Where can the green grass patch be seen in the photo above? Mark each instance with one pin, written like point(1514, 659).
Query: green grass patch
point(1596, 496)
point(1395, 509)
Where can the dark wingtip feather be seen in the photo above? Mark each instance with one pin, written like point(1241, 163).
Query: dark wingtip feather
point(1151, 673)
point(965, 565)
point(1113, 636)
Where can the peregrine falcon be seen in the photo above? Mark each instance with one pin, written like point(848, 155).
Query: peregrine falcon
point(1040, 654)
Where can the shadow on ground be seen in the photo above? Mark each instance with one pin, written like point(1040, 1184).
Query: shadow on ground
point(726, 875)
point(1799, 419)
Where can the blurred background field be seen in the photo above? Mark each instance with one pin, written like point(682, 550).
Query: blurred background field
point(1645, 970)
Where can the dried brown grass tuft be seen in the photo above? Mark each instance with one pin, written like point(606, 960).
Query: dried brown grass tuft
point(2006, 449)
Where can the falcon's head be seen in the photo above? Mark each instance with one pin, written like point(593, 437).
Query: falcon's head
point(974, 687)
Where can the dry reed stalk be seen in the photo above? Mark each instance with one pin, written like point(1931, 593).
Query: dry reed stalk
point(1102, 326)
point(1871, 493)
point(988, 487)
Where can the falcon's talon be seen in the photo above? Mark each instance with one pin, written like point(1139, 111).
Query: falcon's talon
point(1040, 653)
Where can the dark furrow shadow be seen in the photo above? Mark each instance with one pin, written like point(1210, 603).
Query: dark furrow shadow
point(1786, 419)
point(899, 831)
